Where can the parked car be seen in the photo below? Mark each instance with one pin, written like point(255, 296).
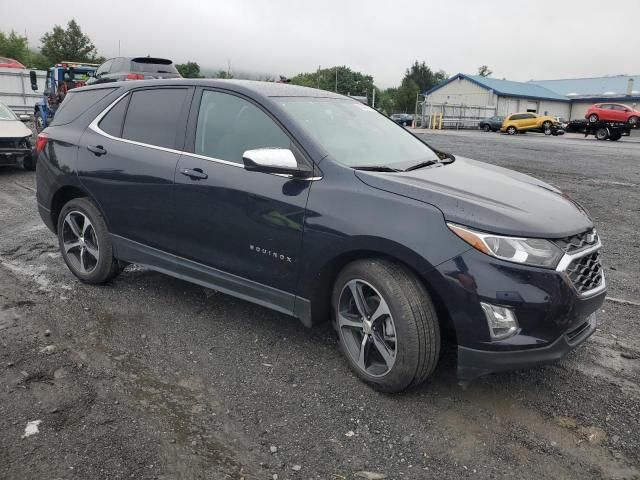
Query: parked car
point(10, 63)
point(134, 68)
point(317, 206)
point(527, 122)
point(15, 139)
point(402, 119)
point(612, 112)
point(492, 124)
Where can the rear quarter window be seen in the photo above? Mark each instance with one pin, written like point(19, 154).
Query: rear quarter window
point(76, 103)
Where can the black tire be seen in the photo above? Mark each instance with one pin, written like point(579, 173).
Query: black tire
point(486, 128)
point(633, 120)
point(602, 133)
point(546, 125)
point(29, 162)
point(512, 130)
point(593, 118)
point(106, 266)
point(548, 131)
point(615, 137)
point(415, 325)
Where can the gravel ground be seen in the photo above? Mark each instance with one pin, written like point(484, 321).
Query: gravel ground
point(152, 377)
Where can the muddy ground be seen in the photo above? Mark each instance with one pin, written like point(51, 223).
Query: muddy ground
point(152, 377)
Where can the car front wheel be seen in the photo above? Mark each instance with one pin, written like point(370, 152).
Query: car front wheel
point(386, 324)
point(486, 128)
point(85, 244)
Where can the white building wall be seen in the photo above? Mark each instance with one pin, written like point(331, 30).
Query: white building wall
point(463, 92)
point(559, 109)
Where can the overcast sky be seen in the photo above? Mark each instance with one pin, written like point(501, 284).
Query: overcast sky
point(518, 40)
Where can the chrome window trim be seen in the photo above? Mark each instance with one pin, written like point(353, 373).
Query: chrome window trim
point(94, 126)
point(566, 260)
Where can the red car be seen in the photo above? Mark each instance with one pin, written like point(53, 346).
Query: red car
point(10, 63)
point(612, 112)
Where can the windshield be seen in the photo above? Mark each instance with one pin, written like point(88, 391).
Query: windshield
point(6, 114)
point(355, 134)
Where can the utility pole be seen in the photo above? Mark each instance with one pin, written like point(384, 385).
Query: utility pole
point(373, 98)
point(318, 76)
point(336, 79)
point(118, 47)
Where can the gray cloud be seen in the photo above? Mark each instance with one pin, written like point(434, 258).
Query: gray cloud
point(518, 40)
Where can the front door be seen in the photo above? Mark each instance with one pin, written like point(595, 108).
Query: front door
point(248, 224)
point(129, 159)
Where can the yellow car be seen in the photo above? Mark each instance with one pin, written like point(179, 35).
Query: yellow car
point(527, 122)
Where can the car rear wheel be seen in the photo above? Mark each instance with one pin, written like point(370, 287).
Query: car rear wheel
point(386, 324)
point(512, 130)
point(593, 118)
point(633, 120)
point(85, 244)
point(486, 128)
point(602, 134)
point(546, 125)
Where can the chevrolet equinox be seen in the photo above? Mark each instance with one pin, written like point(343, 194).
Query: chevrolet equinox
point(317, 206)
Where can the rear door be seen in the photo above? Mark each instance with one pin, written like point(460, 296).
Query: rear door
point(127, 161)
point(244, 223)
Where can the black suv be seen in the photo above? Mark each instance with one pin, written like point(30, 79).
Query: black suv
point(315, 205)
point(136, 68)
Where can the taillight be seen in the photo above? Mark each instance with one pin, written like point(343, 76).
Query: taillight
point(41, 142)
point(135, 76)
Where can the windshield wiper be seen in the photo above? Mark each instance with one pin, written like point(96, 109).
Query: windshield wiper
point(421, 165)
point(377, 168)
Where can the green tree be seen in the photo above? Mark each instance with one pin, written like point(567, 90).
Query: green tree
point(386, 100)
point(189, 70)
point(69, 44)
point(405, 99)
point(337, 79)
point(224, 74)
point(483, 71)
point(423, 76)
point(15, 46)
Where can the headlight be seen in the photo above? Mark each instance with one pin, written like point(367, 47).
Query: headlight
point(529, 251)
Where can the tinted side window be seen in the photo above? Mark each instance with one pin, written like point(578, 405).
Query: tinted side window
point(516, 117)
point(76, 102)
point(153, 116)
point(104, 68)
point(229, 125)
point(112, 122)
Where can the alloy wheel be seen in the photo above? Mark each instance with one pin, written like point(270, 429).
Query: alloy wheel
point(366, 328)
point(80, 242)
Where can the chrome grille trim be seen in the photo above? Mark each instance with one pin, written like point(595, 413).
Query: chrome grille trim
point(568, 259)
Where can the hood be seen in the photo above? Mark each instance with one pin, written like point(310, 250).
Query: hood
point(13, 129)
point(488, 198)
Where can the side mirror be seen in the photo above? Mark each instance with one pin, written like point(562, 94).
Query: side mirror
point(34, 80)
point(273, 160)
point(24, 118)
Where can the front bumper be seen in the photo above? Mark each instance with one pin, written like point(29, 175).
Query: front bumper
point(10, 156)
point(474, 363)
point(553, 316)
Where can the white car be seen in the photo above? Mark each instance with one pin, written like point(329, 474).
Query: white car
point(15, 140)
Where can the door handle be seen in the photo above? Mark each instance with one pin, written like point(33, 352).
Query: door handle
point(97, 150)
point(194, 173)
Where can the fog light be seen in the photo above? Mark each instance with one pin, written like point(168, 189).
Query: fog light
point(502, 320)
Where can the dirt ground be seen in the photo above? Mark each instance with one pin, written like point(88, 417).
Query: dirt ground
point(154, 378)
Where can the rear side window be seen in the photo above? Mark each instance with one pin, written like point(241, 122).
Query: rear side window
point(104, 68)
point(112, 122)
point(153, 116)
point(76, 103)
point(229, 125)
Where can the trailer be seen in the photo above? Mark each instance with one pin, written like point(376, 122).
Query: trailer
point(613, 131)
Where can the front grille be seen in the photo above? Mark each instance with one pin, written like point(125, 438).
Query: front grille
point(577, 242)
point(586, 272)
point(9, 142)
